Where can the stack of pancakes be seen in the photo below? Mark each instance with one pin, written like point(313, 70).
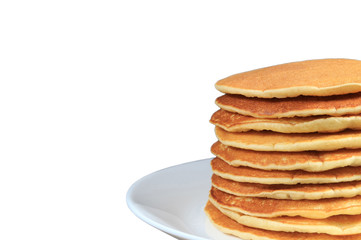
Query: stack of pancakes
point(288, 159)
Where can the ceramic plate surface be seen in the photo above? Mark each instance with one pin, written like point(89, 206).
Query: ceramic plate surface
point(172, 200)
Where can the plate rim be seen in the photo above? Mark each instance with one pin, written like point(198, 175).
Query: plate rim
point(132, 205)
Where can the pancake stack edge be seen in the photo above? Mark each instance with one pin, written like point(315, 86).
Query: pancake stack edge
point(288, 157)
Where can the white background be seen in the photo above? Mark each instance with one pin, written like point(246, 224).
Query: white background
point(96, 94)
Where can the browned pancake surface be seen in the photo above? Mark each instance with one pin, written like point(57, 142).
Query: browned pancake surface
point(312, 77)
point(290, 107)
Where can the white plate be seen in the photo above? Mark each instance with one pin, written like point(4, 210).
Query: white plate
point(172, 200)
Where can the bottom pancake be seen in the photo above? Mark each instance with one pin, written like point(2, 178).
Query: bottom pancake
point(229, 226)
point(335, 225)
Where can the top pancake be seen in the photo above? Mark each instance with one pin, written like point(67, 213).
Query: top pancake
point(302, 106)
point(323, 77)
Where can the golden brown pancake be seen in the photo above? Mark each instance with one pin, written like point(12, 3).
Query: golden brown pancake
point(234, 122)
point(282, 191)
point(302, 106)
point(312, 161)
point(268, 207)
point(335, 225)
point(295, 142)
point(253, 175)
point(322, 77)
point(230, 226)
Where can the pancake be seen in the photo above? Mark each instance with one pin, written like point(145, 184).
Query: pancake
point(253, 175)
point(268, 207)
point(335, 225)
point(230, 226)
point(282, 191)
point(302, 106)
point(312, 161)
point(323, 77)
point(234, 122)
point(272, 141)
